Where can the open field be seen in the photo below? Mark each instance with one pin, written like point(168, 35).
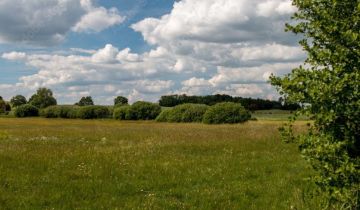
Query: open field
point(107, 164)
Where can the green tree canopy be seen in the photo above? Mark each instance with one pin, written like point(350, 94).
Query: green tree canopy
point(18, 101)
point(85, 101)
point(120, 100)
point(42, 98)
point(328, 88)
point(2, 105)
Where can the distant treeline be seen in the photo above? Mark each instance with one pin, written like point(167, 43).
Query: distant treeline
point(248, 103)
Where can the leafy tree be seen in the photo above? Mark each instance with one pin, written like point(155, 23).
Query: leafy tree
point(85, 101)
point(120, 100)
point(328, 88)
point(42, 98)
point(18, 101)
point(7, 107)
point(2, 105)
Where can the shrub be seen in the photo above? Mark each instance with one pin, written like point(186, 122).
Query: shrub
point(111, 110)
point(93, 112)
point(121, 112)
point(164, 116)
point(227, 112)
point(26, 110)
point(73, 113)
point(183, 113)
point(142, 110)
point(57, 111)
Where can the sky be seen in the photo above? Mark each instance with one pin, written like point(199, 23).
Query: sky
point(142, 49)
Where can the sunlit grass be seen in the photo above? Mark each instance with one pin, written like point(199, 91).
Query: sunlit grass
point(106, 164)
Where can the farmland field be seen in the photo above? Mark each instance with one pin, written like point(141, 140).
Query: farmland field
point(107, 164)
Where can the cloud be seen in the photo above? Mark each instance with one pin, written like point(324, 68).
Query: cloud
point(106, 55)
point(199, 47)
point(219, 21)
point(47, 22)
point(97, 18)
point(14, 56)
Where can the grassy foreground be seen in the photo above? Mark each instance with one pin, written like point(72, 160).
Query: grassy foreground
point(106, 164)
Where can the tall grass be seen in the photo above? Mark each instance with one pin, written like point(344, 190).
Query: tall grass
point(107, 164)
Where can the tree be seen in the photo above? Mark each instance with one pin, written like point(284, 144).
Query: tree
point(18, 101)
point(327, 86)
point(120, 100)
point(42, 98)
point(2, 105)
point(85, 101)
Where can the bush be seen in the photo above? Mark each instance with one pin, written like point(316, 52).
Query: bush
point(26, 110)
point(164, 116)
point(183, 113)
point(93, 112)
point(142, 110)
point(58, 111)
point(121, 112)
point(73, 113)
point(138, 111)
point(226, 113)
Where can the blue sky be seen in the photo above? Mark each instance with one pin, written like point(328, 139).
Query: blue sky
point(143, 49)
point(121, 36)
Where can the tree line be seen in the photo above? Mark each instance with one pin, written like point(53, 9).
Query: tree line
point(44, 98)
point(248, 103)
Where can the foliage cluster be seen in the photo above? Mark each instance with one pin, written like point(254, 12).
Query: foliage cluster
point(59, 111)
point(18, 100)
point(85, 101)
point(226, 112)
point(93, 112)
point(120, 100)
point(42, 98)
point(183, 113)
point(26, 110)
point(248, 103)
point(81, 112)
point(140, 110)
point(328, 87)
point(5, 107)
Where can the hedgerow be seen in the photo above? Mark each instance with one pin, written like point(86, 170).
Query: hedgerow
point(226, 113)
point(183, 113)
point(26, 110)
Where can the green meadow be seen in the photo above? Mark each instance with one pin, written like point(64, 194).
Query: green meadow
point(108, 164)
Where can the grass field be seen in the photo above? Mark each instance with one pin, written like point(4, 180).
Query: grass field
point(107, 164)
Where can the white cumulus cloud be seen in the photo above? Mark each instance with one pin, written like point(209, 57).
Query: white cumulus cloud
point(39, 22)
point(199, 47)
point(97, 18)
